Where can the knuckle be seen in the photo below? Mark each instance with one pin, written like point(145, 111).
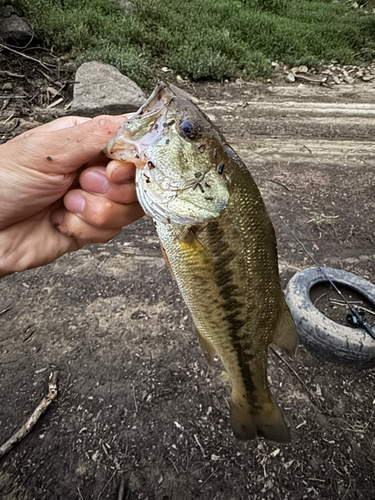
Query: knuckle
point(104, 123)
point(102, 213)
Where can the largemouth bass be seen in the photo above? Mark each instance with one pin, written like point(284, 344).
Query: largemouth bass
point(219, 243)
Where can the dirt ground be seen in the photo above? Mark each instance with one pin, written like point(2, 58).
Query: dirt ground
point(139, 414)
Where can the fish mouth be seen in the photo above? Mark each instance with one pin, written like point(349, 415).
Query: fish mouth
point(129, 143)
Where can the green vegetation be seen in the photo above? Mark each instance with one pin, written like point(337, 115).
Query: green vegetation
point(203, 39)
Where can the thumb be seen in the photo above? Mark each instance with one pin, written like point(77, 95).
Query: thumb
point(64, 150)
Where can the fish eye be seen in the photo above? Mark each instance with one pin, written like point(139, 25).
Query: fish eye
point(187, 128)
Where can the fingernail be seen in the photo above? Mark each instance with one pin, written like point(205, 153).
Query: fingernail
point(74, 202)
point(96, 182)
point(122, 175)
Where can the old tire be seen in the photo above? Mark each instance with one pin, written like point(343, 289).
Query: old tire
point(319, 333)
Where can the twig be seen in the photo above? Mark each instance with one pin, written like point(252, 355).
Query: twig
point(5, 310)
point(32, 420)
point(121, 491)
point(337, 302)
point(9, 73)
point(312, 80)
point(174, 465)
point(209, 477)
point(46, 76)
point(55, 103)
point(309, 392)
point(24, 55)
point(105, 487)
point(25, 46)
point(367, 310)
point(279, 183)
point(200, 446)
point(9, 118)
point(291, 368)
point(321, 296)
point(347, 491)
point(135, 401)
point(80, 494)
point(342, 303)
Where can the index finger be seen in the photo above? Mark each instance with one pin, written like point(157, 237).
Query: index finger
point(58, 124)
point(66, 149)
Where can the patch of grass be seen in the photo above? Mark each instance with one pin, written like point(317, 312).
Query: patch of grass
point(211, 39)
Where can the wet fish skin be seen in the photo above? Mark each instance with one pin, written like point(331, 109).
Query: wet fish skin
point(220, 246)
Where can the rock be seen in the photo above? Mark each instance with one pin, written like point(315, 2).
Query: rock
point(290, 78)
point(337, 80)
point(102, 89)
point(367, 78)
point(125, 6)
point(347, 78)
point(179, 79)
point(302, 69)
point(14, 29)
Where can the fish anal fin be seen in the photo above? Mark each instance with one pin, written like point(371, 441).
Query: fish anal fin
point(285, 337)
point(207, 347)
point(266, 421)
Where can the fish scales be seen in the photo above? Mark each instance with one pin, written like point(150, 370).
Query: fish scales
point(222, 252)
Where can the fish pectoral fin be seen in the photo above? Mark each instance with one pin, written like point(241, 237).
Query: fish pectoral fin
point(266, 421)
point(164, 254)
point(190, 233)
point(285, 336)
point(207, 347)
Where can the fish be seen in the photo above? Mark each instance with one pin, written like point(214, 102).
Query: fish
point(219, 243)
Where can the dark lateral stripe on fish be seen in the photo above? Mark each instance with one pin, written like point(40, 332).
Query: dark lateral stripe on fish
point(222, 256)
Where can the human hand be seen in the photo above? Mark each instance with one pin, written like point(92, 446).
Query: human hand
point(59, 192)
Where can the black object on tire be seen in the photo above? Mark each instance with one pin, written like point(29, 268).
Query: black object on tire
point(321, 334)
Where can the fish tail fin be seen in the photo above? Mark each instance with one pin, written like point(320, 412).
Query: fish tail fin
point(267, 421)
point(285, 336)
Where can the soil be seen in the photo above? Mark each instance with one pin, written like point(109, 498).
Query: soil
point(140, 414)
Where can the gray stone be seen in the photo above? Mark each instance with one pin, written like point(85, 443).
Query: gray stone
point(290, 78)
point(101, 89)
point(14, 29)
point(347, 78)
point(302, 69)
point(125, 6)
